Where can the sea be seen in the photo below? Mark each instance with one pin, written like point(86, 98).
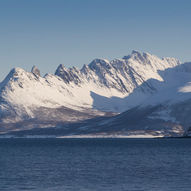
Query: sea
point(95, 164)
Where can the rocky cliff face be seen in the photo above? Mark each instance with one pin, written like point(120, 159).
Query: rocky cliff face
point(35, 71)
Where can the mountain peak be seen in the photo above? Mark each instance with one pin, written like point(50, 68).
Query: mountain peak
point(136, 55)
point(35, 71)
point(61, 68)
point(15, 72)
point(68, 75)
point(97, 63)
point(135, 52)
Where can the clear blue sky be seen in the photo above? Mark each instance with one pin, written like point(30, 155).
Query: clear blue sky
point(47, 33)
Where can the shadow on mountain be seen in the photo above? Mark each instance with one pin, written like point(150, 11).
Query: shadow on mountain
point(173, 78)
point(134, 120)
point(102, 102)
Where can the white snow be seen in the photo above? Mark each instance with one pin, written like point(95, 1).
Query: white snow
point(112, 136)
point(118, 85)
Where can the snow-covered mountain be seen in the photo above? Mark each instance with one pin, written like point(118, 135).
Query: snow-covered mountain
point(137, 82)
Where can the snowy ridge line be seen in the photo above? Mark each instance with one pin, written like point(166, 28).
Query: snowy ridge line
point(75, 88)
point(139, 86)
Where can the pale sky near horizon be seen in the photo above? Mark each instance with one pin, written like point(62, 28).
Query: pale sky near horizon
point(47, 33)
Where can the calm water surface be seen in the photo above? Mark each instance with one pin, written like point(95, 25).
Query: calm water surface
point(95, 164)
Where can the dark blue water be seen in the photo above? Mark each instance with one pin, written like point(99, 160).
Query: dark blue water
point(95, 164)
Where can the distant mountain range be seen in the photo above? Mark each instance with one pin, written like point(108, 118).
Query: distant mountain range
point(138, 95)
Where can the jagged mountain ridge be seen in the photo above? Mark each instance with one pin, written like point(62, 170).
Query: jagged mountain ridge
point(166, 112)
point(121, 74)
point(103, 85)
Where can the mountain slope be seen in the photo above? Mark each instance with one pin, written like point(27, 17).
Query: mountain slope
point(102, 86)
